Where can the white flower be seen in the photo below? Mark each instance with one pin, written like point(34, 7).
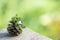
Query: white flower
point(19, 22)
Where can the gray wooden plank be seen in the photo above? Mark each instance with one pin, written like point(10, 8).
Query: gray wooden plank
point(27, 34)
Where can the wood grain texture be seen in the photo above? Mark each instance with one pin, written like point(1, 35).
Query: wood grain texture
point(27, 34)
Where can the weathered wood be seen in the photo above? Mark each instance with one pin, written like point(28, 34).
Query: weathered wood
point(27, 34)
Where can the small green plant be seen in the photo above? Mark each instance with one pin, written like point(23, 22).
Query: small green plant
point(15, 26)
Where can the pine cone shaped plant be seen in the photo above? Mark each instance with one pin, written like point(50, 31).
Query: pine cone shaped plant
point(15, 26)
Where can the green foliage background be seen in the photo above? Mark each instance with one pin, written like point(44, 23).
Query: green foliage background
point(30, 11)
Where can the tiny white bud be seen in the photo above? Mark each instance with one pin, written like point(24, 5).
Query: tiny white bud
point(19, 22)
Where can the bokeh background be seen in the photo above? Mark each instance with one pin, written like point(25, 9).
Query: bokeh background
point(42, 16)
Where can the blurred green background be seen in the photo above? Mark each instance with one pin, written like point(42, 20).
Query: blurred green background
point(42, 16)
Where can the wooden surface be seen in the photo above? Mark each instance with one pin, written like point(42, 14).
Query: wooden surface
point(27, 34)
